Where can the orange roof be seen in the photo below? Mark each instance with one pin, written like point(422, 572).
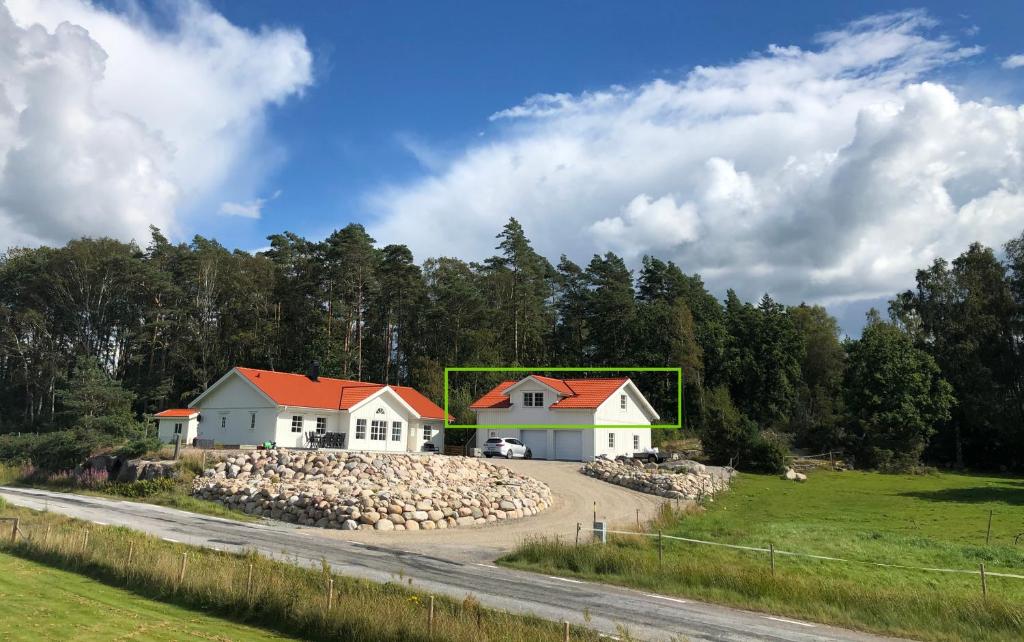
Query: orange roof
point(575, 393)
point(289, 389)
point(177, 412)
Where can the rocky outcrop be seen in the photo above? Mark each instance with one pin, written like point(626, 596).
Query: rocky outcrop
point(120, 469)
point(364, 491)
point(678, 479)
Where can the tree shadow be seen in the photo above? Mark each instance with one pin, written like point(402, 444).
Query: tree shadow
point(1010, 493)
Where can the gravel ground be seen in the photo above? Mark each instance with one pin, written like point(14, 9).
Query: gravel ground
point(574, 496)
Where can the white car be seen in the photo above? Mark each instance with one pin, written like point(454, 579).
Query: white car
point(507, 448)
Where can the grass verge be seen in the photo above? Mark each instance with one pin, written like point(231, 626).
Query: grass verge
point(931, 520)
point(283, 597)
point(57, 605)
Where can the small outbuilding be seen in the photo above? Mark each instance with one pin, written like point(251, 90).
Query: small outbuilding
point(177, 421)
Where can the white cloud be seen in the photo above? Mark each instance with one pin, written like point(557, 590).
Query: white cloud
point(108, 125)
point(247, 209)
point(1014, 61)
point(827, 174)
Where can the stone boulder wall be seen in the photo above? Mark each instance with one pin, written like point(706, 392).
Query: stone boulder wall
point(673, 480)
point(350, 491)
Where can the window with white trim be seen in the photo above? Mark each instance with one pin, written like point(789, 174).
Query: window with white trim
point(428, 432)
point(177, 429)
point(611, 440)
point(622, 402)
point(252, 422)
point(636, 442)
point(378, 430)
point(296, 423)
point(321, 425)
point(533, 399)
point(396, 431)
point(360, 429)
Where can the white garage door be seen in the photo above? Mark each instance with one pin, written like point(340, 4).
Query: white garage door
point(569, 445)
point(536, 441)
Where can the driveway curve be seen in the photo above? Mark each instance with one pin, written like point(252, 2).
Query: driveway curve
point(574, 497)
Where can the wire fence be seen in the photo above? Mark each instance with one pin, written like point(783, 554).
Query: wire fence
point(772, 552)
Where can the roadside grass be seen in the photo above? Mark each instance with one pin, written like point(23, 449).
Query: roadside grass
point(58, 605)
point(934, 521)
point(281, 596)
point(169, 493)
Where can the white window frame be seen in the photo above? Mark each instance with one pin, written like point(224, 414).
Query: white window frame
point(396, 431)
point(636, 442)
point(622, 401)
point(321, 425)
point(378, 430)
point(533, 399)
point(611, 440)
point(428, 433)
point(360, 429)
point(177, 429)
point(297, 423)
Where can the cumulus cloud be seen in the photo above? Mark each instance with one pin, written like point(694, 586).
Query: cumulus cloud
point(1014, 61)
point(108, 124)
point(827, 174)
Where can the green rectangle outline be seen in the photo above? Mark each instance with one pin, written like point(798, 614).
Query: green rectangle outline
point(679, 401)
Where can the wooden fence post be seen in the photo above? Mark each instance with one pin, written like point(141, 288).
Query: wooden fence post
point(46, 536)
point(330, 593)
point(638, 519)
point(128, 562)
point(988, 533)
point(14, 529)
point(430, 617)
point(248, 586)
point(771, 552)
point(578, 528)
point(181, 573)
point(565, 635)
point(661, 549)
point(984, 583)
point(85, 541)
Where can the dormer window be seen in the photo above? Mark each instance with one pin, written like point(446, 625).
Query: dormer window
point(533, 399)
point(622, 402)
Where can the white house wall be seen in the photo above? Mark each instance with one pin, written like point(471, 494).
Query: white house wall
point(283, 435)
point(610, 413)
point(165, 429)
point(393, 410)
point(235, 401)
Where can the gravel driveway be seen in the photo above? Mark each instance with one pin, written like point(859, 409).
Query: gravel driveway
point(574, 495)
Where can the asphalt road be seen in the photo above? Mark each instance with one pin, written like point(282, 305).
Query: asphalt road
point(646, 616)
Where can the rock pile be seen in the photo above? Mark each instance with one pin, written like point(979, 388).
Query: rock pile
point(122, 469)
point(378, 491)
point(674, 480)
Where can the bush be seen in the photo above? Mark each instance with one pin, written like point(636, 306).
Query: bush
point(138, 447)
point(730, 437)
point(58, 450)
point(142, 487)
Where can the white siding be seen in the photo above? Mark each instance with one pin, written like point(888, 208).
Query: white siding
point(385, 407)
point(283, 434)
point(227, 414)
point(165, 429)
point(611, 413)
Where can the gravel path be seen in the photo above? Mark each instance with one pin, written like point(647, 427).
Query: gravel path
point(574, 495)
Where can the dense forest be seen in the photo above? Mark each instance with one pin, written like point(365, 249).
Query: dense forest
point(100, 327)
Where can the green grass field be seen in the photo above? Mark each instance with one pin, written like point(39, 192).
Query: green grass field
point(935, 520)
point(43, 603)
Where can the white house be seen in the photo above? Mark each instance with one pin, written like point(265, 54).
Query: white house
point(177, 421)
point(602, 416)
point(249, 406)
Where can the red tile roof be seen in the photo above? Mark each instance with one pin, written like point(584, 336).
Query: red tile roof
point(578, 393)
point(177, 412)
point(289, 389)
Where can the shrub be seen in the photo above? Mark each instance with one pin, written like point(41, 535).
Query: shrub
point(730, 437)
point(58, 450)
point(138, 447)
point(142, 487)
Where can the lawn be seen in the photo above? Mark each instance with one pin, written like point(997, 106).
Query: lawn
point(57, 605)
point(937, 520)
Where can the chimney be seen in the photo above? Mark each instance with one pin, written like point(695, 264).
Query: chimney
point(314, 371)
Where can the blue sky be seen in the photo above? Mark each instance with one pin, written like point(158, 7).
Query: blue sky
point(820, 151)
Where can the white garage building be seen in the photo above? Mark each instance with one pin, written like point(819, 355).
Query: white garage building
point(249, 406)
point(618, 412)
